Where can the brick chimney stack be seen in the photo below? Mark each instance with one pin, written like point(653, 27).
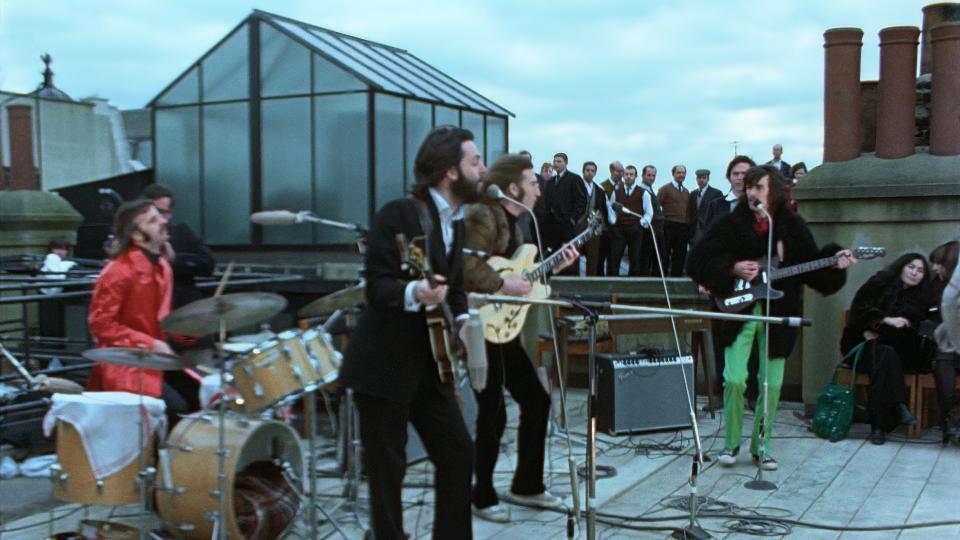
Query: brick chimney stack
point(945, 89)
point(896, 117)
point(23, 174)
point(841, 108)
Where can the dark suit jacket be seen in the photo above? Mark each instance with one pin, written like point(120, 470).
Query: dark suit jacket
point(389, 350)
point(193, 259)
point(583, 199)
point(562, 196)
point(714, 211)
point(784, 168)
point(699, 211)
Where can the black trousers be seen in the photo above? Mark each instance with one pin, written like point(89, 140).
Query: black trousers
point(436, 416)
point(945, 374)
point(648, 254)
point(509, 365)
point(627, 237)
point(676, 237)
point(886, 391)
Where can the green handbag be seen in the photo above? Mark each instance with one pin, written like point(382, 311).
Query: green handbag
point(834, 412)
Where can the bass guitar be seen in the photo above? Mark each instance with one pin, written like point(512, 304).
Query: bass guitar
point(745, 293)
point(447, 349)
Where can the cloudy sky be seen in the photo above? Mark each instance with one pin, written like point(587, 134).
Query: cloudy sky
point(641, 81)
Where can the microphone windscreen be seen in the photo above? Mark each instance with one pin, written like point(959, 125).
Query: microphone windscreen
point(617, 207)
point(275, 217)
point(476, 351)
point(493, 191)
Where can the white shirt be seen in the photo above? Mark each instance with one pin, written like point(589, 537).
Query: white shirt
point(52, 264)
point(647, 204)
point(447, 217)
point(676, 185)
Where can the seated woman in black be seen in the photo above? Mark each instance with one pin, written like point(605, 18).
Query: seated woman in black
point(946, 365)
point(886, 312)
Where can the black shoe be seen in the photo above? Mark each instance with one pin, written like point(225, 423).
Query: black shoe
point(951, 430)
point(877, 436)
point(906, 417)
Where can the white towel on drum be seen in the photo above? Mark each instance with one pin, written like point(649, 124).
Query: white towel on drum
point(107, 423)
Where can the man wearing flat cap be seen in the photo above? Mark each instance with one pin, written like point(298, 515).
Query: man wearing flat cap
point(700, 200)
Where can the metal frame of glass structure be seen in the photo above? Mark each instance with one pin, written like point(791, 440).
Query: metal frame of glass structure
point(284, 114)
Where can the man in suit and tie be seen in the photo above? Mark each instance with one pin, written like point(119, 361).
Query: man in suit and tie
point(389, 364)
point(562, 197)
point(609, 186)
point(781, 166)
point(700, 199)
point(594, 199)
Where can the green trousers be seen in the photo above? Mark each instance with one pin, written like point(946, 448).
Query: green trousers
point(736, 357)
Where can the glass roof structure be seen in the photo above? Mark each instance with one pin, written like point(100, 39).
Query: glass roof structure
point(281, 114)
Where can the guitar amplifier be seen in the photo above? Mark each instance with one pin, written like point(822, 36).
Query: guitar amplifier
point(643, 392)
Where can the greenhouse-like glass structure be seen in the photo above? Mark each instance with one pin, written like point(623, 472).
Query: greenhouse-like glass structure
point(281, 114)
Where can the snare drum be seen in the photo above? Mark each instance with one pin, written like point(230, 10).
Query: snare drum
point(273, 371)
point(255, 453)
point(326, 359)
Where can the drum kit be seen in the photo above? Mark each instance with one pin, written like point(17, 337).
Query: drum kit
point(256, 489)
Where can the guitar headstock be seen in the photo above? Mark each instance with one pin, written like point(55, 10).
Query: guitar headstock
point(413, 259)
point(869, 252)
point(595, 222)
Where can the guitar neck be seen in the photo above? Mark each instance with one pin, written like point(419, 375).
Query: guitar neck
point(802, 268)
point(551, 262)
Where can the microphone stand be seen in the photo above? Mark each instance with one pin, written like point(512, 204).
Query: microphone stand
point(692, 530)
point(588, 308)
point(355, 227)
point(759, 484)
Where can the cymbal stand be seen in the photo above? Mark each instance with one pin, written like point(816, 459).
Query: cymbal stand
point(221, 520)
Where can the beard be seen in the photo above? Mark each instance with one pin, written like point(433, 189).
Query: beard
point(468, 191)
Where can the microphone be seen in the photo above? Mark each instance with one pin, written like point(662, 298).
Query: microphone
point(476, 351)
point(621, 209)
point(494, 192)
point(277, 217)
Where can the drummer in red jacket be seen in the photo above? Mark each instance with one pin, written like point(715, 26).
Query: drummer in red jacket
point(130, 298)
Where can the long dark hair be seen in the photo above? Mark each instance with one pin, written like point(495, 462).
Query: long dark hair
point(891, 273)
point(946, 254)
point(776, 193)
point(439, 151)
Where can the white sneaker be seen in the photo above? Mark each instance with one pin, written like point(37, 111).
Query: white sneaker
point(496, 513)
point(728, 457)
point(540, 500)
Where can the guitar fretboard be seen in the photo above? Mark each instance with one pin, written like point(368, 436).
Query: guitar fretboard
point(802, 268)
point(551, 262)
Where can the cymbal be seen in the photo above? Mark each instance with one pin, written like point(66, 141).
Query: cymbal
point(344, 298)
point(202, 318)
point(138, 358)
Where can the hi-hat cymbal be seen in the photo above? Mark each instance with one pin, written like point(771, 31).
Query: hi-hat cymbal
point(344, 298)
point(236, 310)
point(138, 358)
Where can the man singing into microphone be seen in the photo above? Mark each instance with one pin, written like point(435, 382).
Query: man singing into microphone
point(491, 229)
point(389, 363)
point(732, 249)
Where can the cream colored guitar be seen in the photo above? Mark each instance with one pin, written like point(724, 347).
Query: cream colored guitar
point(504, 322)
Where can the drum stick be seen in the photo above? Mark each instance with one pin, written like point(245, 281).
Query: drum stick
point(17, 365)
point(223, 280)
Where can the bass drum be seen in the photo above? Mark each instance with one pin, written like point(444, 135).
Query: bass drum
point(261, 503)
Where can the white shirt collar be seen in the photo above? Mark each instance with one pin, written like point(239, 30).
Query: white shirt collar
point(443, 207)
point(730, 197)
point(676, 185)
